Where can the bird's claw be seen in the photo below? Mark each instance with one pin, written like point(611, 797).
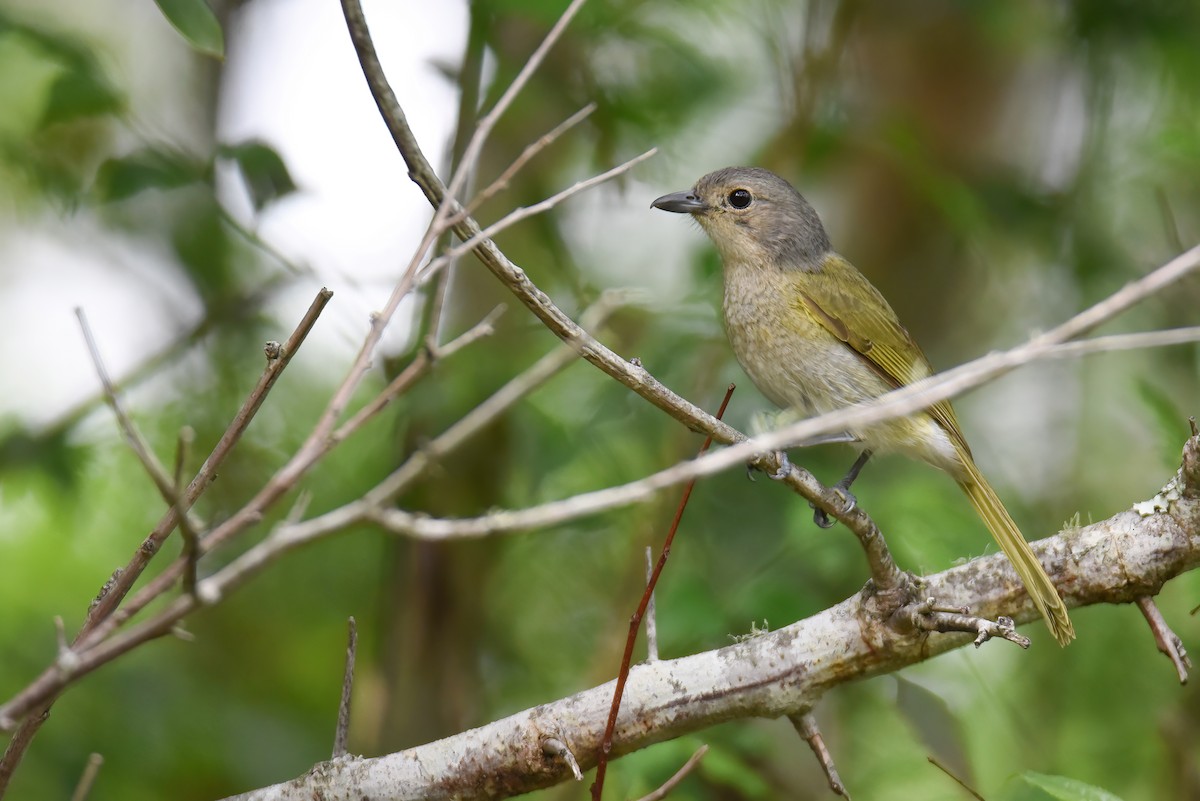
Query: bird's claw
point(822, 519)
point(785, 467)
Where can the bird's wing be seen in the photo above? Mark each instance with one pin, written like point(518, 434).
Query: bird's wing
point(834, 295)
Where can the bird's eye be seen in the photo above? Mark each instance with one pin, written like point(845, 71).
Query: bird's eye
point(739, 198)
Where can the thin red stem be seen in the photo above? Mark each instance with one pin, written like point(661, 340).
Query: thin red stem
point(635, 622)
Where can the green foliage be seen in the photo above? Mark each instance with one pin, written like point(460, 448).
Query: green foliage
point(266, 176)
point(149, 168)
point(197, 24)
point(1061, 788)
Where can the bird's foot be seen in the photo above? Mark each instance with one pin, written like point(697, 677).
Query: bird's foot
point(848, 499)
point(785, 467)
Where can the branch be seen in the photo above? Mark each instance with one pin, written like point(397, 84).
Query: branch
point(531, 150)
point(762, 451)
point(40, 694)
point(102, 644)
point(137, 443)
point(899, 403)
point(784, 672)
point(111, 596)
point(524, 212)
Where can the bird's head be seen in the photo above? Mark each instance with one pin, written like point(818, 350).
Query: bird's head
point(753, 217)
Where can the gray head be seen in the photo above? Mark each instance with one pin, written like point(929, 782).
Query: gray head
point(753, 215)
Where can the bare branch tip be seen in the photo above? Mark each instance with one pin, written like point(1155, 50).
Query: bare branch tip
point(208, 592)
point(67, 660)
point(671, 783)
point(342, 731)
point(1169, 643)
point(554, 747)
point(806, 726)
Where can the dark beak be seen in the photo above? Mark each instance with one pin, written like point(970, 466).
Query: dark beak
point(687, 202)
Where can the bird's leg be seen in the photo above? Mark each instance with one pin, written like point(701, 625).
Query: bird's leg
point(843, 488)
point(785, 465)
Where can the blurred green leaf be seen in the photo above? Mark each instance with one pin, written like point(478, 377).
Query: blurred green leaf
point(266, 175)
point(196, 23)
point(80, 93)
point(149, 168)
point(1062, 788)
point(80, 89)
point(937, 726)
point(51, 452)
point(203, 243)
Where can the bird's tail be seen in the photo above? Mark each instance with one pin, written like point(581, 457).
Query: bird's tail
point(1008, 537)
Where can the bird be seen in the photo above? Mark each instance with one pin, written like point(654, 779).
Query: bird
point(814, 335)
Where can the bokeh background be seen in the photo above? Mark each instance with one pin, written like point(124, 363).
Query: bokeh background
point(993, 167)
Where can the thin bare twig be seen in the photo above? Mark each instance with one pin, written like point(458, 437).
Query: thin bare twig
point(899, 403)
point(342, 733)
point(1165, 638)
point(32, 705)
point(293, 535)
point(108, 602)
point(1117, 342)
point(651, 621)
point(499, 402)
point(806, 726)
point(45, 687)
point(470, 77)
point(671, 783)
point(19, 744)
point(525, 212)
point(531, 150)
point(191, 547)
point(928, 616)
point(484, 129)
point(103, 643)
point(114, 595)
point(966, 787)
point(215, 316)
point(417, 368)
point(368, 59)
point(275, 488)
point(636, 620)
point(88, 778)
point(137, 443)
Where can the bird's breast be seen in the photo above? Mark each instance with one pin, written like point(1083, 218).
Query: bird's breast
point(799, 364)
point(793, 359)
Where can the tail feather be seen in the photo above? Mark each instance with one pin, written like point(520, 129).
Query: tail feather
point(1041, 590)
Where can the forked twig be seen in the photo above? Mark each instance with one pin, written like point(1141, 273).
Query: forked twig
point(525, 212)
point(129, 574)
point(137, 443)
point(531, 150)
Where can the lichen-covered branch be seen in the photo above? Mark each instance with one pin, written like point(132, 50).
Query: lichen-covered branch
point(783, 672)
